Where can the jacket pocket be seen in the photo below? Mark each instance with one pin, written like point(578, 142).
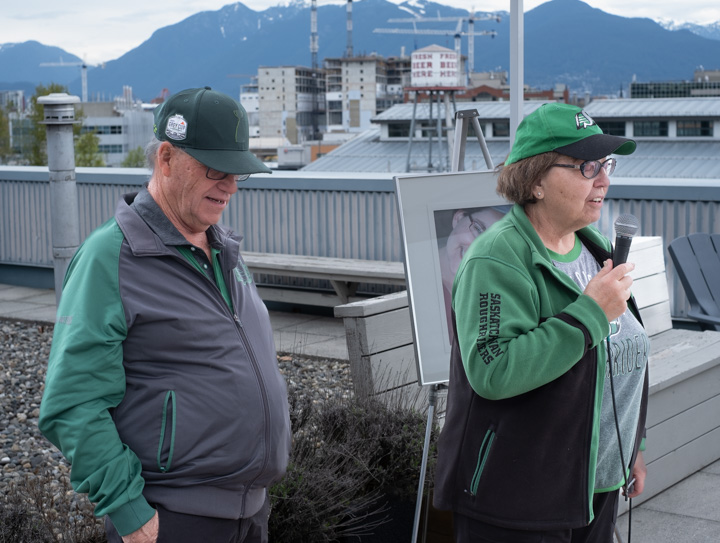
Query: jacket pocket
point(483, 455)
point(167, 433)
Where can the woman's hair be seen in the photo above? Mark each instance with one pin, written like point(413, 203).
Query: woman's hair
point(515, 182)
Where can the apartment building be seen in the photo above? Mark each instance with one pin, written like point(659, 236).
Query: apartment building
point(291, 103)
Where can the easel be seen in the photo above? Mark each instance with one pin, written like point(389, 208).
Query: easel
point(462, 120)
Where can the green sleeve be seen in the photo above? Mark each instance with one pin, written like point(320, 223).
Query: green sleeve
point(506, 349)
point(85, 379)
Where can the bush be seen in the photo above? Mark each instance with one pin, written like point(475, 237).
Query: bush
point(350, 457)
point(41, 509)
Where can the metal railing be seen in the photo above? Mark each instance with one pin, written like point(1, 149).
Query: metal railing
point(343, 215)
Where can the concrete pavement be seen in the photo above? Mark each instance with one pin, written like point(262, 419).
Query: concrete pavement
point(688, 512)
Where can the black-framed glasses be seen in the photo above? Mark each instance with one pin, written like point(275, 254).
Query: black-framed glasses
point(212, 174)
point(216, 175)
point(591, 168)
point(476, 226)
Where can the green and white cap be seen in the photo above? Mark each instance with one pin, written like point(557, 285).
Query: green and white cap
point(211, 127)
point(568, 130)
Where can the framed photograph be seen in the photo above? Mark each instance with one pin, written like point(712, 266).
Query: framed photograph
point(440, 216)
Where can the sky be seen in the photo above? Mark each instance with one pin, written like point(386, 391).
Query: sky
point(99, 31)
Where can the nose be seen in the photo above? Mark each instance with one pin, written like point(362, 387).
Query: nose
point(602, 179)
point(228, 184)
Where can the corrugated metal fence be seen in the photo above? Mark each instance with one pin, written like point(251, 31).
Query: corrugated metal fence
point(341, 215)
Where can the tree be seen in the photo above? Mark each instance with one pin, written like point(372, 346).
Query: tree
point(5, 149)
point(87, 151)
point(134, 159)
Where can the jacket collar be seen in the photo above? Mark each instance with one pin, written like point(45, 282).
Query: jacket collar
point(149, 232)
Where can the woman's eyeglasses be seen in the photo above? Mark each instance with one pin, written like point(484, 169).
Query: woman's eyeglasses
point(591, 168)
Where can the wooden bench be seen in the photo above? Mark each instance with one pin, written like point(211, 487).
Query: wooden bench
point(683, 425)
point(344, 274)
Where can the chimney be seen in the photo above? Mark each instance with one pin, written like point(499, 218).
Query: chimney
point(314, 35)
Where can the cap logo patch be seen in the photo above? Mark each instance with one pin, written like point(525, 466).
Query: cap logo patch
point(583, 120)
point(176, 127)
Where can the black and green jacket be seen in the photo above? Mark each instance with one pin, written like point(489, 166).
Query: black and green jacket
point(528, 363)
point(159, 389)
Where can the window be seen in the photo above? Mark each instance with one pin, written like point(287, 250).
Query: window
point(614, 128)
point(650, 128)
point(398, 130)
point(104, 129)
point(694, 128)
point(115, 148)
point(501, 130)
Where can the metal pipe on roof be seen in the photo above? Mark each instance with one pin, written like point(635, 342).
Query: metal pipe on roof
point(59, 117)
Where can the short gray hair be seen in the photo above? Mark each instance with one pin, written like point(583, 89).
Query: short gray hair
point(151, 151)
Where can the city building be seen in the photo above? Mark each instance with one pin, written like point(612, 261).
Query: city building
point(677, 137)
point(121, 126)
point(358, 88)
point(704, 83)
point(291, 103)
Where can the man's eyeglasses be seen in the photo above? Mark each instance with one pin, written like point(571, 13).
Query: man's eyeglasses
point(216, 175)
point(591, 168)
point(476, 226)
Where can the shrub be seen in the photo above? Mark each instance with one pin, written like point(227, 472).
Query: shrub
point(350, 457)
point(41, 509)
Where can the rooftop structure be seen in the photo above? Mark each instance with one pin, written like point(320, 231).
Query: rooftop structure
point(677, 138)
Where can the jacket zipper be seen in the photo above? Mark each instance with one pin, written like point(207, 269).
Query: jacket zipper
point(253, 359)
point(169, 400)
point(482, 458)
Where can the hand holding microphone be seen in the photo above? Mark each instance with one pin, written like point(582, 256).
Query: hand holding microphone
point(610, 288)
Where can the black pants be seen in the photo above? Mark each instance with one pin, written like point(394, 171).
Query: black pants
point(600, 530)
point(182, 528)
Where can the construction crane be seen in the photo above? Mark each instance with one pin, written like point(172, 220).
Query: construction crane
point(82, 64)
point(457, 33)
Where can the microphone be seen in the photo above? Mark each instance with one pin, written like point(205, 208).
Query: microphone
point(625, 228)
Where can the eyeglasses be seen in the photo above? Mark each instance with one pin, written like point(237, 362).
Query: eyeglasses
point(216, 175)
point(591, 168)
point(476, 227)
point(213, 174)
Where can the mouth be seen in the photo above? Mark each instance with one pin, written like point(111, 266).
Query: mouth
point(218, 202)
point(598, 200)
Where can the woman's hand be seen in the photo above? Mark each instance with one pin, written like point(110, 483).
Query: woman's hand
point(638, 475)
point(610, 288)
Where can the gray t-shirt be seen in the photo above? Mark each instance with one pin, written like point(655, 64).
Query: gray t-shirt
point(629, 346)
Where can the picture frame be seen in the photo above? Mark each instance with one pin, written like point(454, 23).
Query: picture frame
point(433, 209)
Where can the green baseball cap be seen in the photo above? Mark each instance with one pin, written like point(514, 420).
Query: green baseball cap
point(211, 127)
point(568, 130)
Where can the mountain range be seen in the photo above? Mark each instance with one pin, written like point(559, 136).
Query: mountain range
point(566, 41)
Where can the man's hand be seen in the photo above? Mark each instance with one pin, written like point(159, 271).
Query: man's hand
point(148, 533)
point(610, 288)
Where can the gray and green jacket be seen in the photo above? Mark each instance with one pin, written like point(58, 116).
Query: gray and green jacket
point(159, 390)
point(520, 440)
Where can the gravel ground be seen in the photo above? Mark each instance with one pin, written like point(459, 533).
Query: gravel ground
point(24, 350)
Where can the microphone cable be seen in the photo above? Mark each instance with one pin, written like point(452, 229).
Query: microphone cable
point(617, 429)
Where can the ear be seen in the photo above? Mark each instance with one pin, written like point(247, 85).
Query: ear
point(166, 153)
point(457, 217)
point(537, 190)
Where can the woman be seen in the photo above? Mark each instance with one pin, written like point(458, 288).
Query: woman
point(530, 449)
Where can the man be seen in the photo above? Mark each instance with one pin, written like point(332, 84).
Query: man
point(163, 389)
